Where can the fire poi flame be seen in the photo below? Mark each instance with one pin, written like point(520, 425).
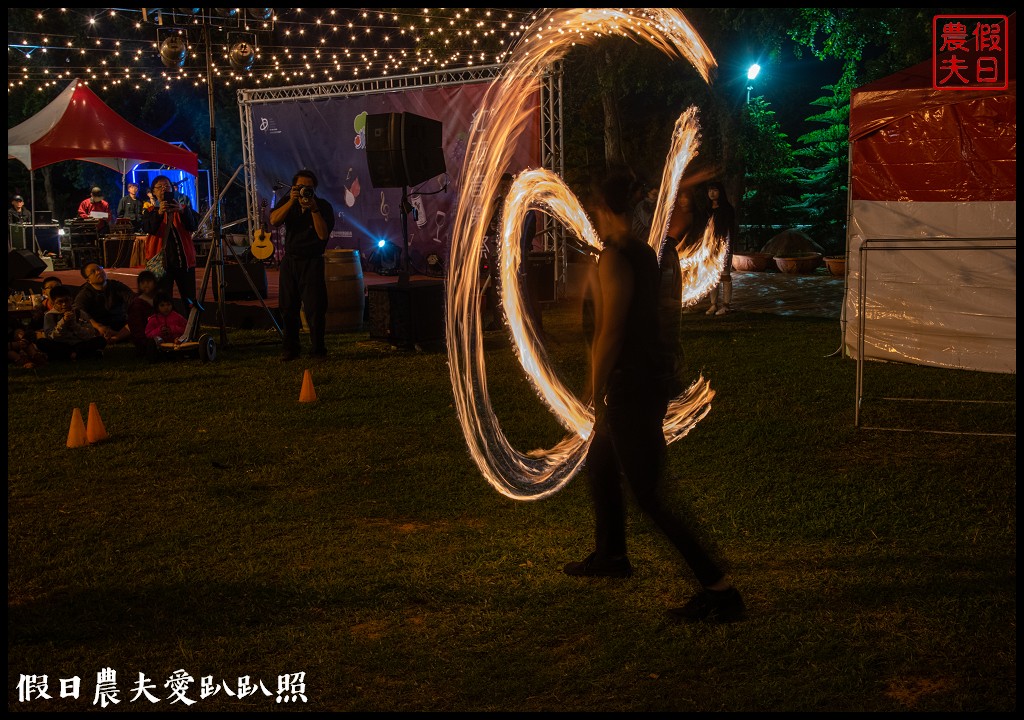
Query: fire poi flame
point(499, 123)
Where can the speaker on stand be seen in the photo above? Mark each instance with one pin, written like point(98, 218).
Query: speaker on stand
point(403, 149)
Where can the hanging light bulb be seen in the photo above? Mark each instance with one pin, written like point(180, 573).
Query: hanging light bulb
point(242, 56)
point(260, 13)
point(172, 51)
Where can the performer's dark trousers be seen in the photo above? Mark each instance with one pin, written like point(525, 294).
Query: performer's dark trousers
point(303, 285)
point(629, 440)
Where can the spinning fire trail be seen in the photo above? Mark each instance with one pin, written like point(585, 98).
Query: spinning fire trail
point(499, 123)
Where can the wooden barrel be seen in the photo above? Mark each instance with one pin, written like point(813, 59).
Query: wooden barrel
point(346, 298)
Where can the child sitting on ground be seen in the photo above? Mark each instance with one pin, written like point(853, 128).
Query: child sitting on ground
point(23, 352)
point(67, 336)
point(166, 324)
point(142, 308)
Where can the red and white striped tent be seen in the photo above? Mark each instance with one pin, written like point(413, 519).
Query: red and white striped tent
point(934, 171)
point(77, 125)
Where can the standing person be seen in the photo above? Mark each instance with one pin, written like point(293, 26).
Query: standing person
point(643, 213)
point(169, 225)
point(633, 376)
point(96, 204)
point(130, 207)
point(686, 226)
point(104, 303)
point(723, 217)
point(308, 221)
point(16, 213)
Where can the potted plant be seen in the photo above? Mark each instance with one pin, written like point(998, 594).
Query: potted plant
point(750, 261)
point(836, 265)
point(798, 263)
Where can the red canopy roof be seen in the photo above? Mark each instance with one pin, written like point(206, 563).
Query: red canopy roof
point(77, 125)
point(911, 142)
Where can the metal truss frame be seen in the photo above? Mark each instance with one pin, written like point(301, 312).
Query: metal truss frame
point(550, 127)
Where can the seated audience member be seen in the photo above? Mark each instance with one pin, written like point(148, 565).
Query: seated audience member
point(104, 303)
point(66, 335)
point(22, 351)
point(49, 283)
point(142, 307)
point(166, 324)
point(39, 311)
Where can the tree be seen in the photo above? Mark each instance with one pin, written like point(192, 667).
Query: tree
point(771, 174)
point(823, 204)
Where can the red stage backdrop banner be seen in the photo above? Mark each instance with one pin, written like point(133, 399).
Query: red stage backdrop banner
point(328, 136)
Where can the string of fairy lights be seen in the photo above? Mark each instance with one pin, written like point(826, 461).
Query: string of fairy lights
point(120, 47)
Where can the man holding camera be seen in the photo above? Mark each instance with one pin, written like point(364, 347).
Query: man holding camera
point(308, 221)
point(169, 225)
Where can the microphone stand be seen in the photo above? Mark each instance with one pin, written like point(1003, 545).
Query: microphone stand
point(405, 208)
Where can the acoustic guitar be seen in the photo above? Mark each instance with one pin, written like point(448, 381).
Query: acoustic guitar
point(261, 247)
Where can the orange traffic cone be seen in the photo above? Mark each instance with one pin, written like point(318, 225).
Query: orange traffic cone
point(307, 394)
point(76, 435)
point(95, 432)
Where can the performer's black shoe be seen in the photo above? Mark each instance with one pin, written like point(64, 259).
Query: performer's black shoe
point(711, 606)
point(594, 566)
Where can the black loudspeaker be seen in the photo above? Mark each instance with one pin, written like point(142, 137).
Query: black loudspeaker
point(46, 236)
point(23, 264)
point(410, 313)
point(236, 287)
point(403, 149)
point(21, 236)
point(540, 276)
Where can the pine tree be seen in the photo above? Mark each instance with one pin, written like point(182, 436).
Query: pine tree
point(823, 204)
point(770, 177)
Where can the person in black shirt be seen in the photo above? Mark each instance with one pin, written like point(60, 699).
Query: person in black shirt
point(633, 377)
point(308, 221)
point(130, 207)
point(17, 214)
point(104, 303)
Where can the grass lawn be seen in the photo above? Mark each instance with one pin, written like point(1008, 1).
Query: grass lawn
point(229, 534)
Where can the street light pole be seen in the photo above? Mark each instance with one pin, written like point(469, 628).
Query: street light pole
point(752, 73)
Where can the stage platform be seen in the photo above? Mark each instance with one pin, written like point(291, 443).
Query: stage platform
point(238, 313)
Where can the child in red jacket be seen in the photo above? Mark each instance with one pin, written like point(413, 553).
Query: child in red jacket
point(166, 324)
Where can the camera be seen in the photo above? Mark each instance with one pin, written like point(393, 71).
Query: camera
point(305, 191)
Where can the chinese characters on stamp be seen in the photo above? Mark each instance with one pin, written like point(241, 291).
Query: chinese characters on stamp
point(970, 52)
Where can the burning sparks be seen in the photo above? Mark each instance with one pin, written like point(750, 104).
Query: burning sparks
point(497, 127)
